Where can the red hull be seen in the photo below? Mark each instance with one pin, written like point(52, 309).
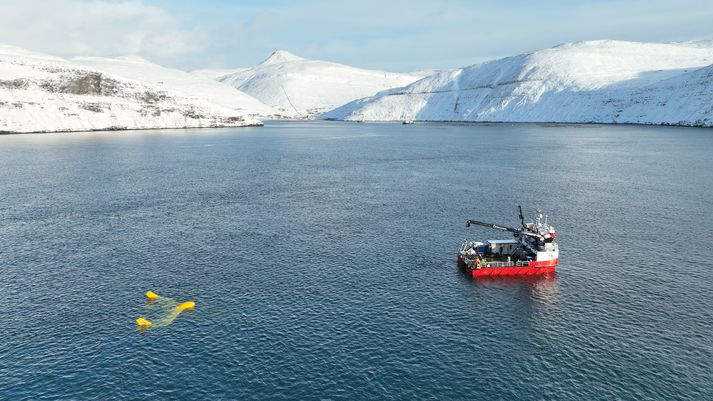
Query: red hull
point(535, 268)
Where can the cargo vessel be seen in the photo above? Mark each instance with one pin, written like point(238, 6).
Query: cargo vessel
point(532, 251)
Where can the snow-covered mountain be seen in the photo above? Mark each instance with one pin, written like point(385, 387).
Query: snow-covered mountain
point(207, 88)
point(41, 93)
point(596, 81)
point(297, 87)
point(216, 73)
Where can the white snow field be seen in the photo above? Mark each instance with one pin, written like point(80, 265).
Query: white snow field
point(207, 88)
point(594, 81)
point(301, 88)
point(582, 82)
point(41, 93)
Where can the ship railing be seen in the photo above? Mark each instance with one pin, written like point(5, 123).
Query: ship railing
point(519, 263)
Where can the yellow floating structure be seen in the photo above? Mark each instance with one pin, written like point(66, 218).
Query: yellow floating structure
point(143, 323)
point(162, 310)
point(190, 305)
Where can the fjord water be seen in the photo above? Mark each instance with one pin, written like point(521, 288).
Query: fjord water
point(321, 257)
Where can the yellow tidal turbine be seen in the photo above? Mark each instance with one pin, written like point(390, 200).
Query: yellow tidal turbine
point(143, 323)
point(190, 305)
point(165, 309)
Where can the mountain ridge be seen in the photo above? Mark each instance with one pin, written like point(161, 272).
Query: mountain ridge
point(590, 81)
point(42, 93)
point(301, 88)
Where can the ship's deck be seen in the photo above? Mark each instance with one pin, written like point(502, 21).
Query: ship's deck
point(496, 261)
point(502, 262)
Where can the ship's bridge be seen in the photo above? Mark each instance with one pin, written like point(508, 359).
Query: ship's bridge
point(503, 246)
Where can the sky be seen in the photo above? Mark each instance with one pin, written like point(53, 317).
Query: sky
point(390, 35)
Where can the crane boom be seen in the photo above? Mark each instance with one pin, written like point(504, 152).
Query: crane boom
point(490, 225)
point(516, 231)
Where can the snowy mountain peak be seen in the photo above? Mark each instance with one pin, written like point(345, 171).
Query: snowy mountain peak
point(281, 56)
point(301, 88)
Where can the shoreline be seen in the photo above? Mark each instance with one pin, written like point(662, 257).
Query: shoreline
point(115, 129)
point(541, 123)
point(552, 124)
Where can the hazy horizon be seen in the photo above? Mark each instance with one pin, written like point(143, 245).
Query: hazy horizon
point(398, 36)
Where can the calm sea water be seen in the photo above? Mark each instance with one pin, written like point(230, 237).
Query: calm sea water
point(321, 259)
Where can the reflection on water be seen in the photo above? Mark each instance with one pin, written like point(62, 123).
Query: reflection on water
point(539, 290)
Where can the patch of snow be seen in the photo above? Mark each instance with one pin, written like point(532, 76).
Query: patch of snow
point(216, 73)
point(425, 73)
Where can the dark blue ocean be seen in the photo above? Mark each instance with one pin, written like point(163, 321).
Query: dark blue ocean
point(321, 257)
